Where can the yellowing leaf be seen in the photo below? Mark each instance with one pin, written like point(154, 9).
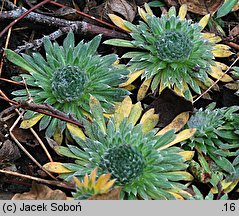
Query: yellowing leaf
point(187, 155)
point(148, 9)
point(212, 37)
point(143, 89)
point(86, 180)
point(75, 130)
point(108, 185)
point(28, 123)
point(146, 115)
point(204, 21)
point(183, 135)
point(142, 14)
point(129, 87)
point(103, 179)
point(226, 186)
point(221, 65)
point(118, 21)
point(93, 176)
point(132, 77)
point(58, 136)
point(221, 53)
point(150, 123)
point(56, 167)
point(221, 46)
point(77, 181)
point(217, 73)
point(186, 176)
point(135, 113)
point(177, 196)
point(177, 123)
point(182, 11)
point(178, 91)
point(126, 106)
point(97, 113)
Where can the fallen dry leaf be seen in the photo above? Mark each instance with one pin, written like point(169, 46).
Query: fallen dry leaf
point(9, 151)
point(202, 7)
point(235, 31)
point(40, 192)
point(123, 7)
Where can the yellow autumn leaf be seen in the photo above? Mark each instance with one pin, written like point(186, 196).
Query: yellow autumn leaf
point(118, 21)
point(135, 113)
point(178, 91)
point(129, 87)
point(226, 186)
point(221, 46)
point(176, 195)
point(56, 167)
point(75, 131)
point(58, 136)
point(146, 115)
point(221, 65)
point(204, 21)
point(187, 155)
point(212, 37)
point(142, 14)
point(217, 73)
point(182, 11)
point(103, 179)
point(126, 106)
point(28, 123)
point(222, 53)
point(132, 77)
point(150, 123)
point(93, 176)
point(143, 89)
point(86, 180)
point(186, 175)
point(183, 135)
point(148, 9)
point(108, 185)
point(178, 122)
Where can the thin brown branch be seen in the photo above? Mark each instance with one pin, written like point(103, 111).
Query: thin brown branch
point(44, 109)
point(22, 16)
point(50, 182)
point(228, 69)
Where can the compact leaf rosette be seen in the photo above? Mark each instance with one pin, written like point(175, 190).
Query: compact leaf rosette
point(172, 52)
point(143, 160)
point(67, 77)
point(217, 138)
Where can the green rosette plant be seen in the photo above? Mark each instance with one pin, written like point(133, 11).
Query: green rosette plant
point(143, 161)
point(216, 139)
point(172, 52)
point(66, 78)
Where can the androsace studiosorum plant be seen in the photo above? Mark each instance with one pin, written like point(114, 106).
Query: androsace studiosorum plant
point(67, 77)
point(171, 52)
point(216, 137)
point(143, 161)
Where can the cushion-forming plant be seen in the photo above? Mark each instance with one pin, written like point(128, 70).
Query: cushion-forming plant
point(129, 147)
point(171, 51)
point(216, 137)
point(66, 78)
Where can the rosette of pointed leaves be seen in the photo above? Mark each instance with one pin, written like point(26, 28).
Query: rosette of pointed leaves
point(142, 160)
point(90, 186)
point(216, 137)
point(67, 78)
point(171, 52)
